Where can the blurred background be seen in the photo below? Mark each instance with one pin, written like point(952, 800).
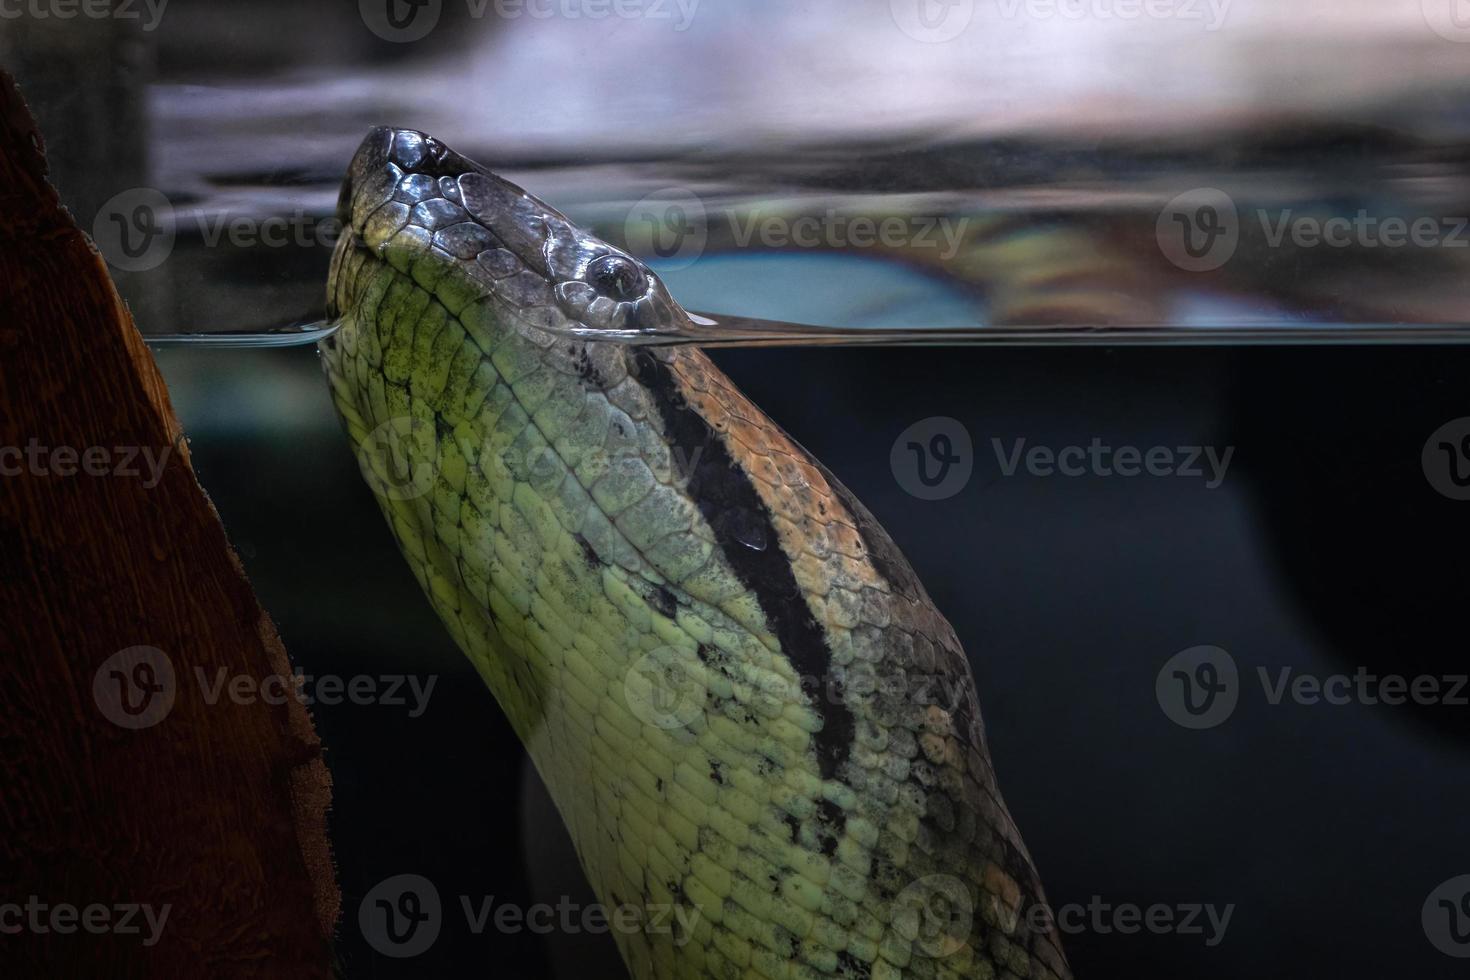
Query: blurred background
point(1176, 165)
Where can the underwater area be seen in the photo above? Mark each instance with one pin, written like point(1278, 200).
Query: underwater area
point(1189, 476)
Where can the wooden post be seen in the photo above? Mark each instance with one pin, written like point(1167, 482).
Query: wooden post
point(146, 828)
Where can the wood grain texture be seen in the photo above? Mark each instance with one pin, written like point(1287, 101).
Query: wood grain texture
point(215, 810)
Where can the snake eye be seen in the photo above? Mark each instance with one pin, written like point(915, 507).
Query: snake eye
point(617, 278)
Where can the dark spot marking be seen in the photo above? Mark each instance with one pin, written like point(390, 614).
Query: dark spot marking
point(587, 371)
point(589, 554)
point(702, 653)
point(849, 967)
point(792, 823)
point(833, 820)
point(728, 501)
point(715, 773)
point(664, 601)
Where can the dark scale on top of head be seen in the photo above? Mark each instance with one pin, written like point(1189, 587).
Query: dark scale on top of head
point(420, 154)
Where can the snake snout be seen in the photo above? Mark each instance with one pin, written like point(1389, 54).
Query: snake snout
point(409, 192)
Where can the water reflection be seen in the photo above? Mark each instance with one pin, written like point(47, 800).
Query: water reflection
point(1194, 164)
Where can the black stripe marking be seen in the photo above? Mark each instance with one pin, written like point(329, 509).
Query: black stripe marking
point(735, 512)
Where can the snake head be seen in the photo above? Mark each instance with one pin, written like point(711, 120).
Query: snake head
point(459, 230)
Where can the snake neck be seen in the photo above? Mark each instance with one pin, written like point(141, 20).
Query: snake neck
point(743, 702)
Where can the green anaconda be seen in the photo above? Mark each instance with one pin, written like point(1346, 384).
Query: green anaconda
point(742, 700)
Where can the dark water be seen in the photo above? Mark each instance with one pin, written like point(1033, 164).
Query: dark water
point(1333, 543)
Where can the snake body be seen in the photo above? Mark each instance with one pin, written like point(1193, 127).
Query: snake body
point(741, 699)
